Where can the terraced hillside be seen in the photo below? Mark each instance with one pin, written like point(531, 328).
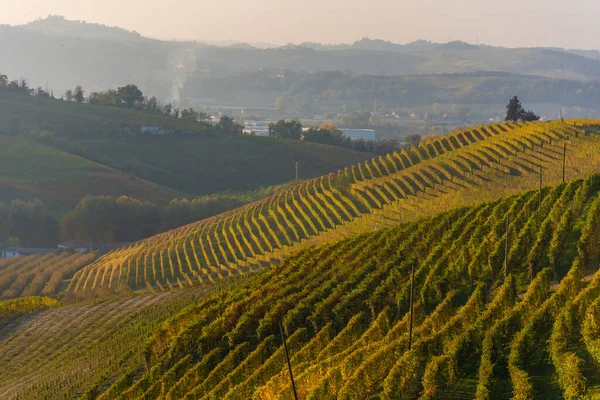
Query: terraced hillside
point(455, 170)
point(67, 350)
point(484, 326)
point(39, 275)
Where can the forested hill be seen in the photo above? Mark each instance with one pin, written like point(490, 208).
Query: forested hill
point(45, 51)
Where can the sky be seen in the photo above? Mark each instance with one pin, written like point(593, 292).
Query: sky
point(511, 23)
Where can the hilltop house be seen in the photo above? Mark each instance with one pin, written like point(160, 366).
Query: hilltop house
point(9, 252)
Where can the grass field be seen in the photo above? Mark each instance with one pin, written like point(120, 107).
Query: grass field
point(215, 165)
point(28, 168)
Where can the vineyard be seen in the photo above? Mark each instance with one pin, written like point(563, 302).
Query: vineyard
point(39, 275)
point(506, 305)
point(66, 351)
point(460, 169)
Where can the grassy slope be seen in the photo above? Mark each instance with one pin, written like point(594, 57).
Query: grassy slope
point(213, 165)
point(207, 164)
point(344, 307)
point(32, 169)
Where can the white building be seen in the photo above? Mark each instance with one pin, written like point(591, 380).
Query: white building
point(258, 128)
point(10, 252)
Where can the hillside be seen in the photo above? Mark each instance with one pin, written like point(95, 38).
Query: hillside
point(108, 155)
point(460, 169)
point(333, 91)
point(77, 346)
point(21, 114)
point(213, 165)
point(484, 327)
point(29, 169)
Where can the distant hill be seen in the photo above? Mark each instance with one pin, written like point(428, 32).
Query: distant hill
point(58, 25)
point(64, 53)
point(332, 90)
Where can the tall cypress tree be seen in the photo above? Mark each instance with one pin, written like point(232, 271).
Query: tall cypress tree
point(514, 110)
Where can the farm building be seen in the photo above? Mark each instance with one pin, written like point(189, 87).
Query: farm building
point(9, 252)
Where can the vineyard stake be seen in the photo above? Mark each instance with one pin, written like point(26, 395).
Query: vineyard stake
point(564, 161)
point(287, 358)
point(296, 170)
point(541, 186)
point(506, 248)
point(412, 292)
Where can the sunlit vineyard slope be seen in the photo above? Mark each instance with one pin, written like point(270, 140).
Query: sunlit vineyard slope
point(39, 275)
point(485, 326)
point(66, 351)
point(462, 168)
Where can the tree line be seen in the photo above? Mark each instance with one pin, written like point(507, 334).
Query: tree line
point(129, 97)
point(28, 224)
point(110, 219)
point(329, 134)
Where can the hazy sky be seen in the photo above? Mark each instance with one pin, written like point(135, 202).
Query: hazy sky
point(498, 22)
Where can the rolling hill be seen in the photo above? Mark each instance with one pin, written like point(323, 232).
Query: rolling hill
point(29, 169)
point(484, 326)
point(109, 57)
point(460, 169)
point(73, 150)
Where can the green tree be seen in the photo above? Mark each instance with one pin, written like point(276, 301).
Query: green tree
point(78, 94)
point(69, 95)
point(412, 140)
point(514, 110)
point(529, 116)
point(286, 130)
point(189, 115)
point(129, 95)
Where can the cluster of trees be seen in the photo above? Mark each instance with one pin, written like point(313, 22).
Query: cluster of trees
point(27, 223)
point(104, 218)
point(21, 85)
point(109, 219)
point(515, 112)
point(329, 134)
point(123, 219)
